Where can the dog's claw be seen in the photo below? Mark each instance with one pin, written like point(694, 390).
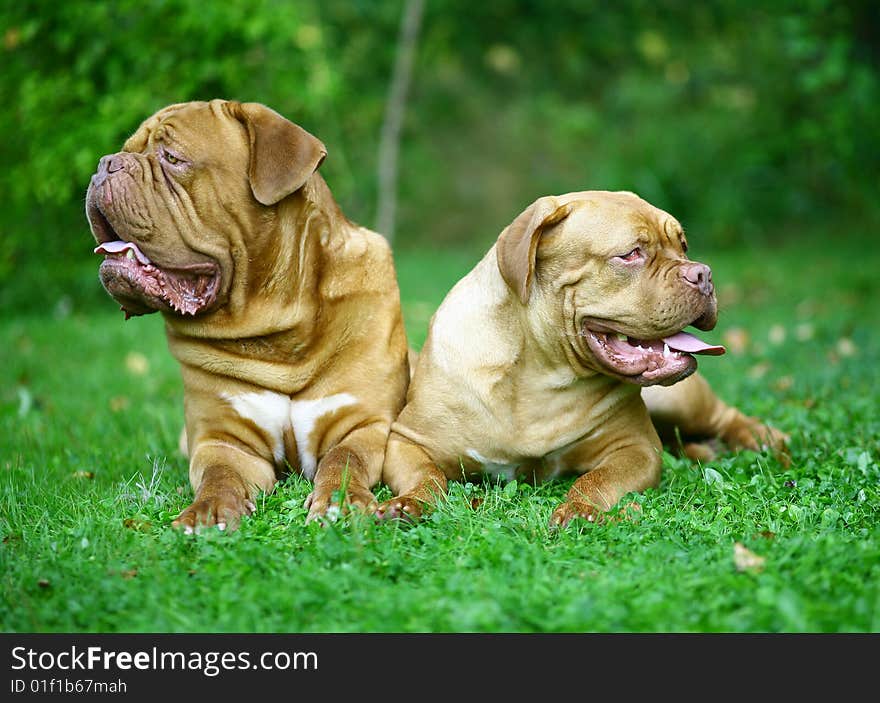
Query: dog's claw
point(400, 508)
point(222, 510)
point(320, 503)
point(571, 510)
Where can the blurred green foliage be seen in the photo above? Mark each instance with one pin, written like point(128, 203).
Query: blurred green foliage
point(745, 121)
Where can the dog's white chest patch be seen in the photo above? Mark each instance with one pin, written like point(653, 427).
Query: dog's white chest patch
point(274, 413)
point(267, 410)
point(303, 416)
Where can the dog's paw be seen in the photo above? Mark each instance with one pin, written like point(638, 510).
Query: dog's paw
point(575, 509)
point(701, 451)
point(323, 502)
point(400, 508)
point(750, 433)
point(223, 510)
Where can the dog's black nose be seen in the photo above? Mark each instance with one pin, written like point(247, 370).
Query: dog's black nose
point(699, 276)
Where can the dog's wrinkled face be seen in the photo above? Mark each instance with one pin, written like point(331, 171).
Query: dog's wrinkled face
point(619, 268)
point(187, 193)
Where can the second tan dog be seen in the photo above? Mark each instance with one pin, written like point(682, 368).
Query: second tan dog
point(537, 362)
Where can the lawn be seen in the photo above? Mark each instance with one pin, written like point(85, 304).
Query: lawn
point(90, 410)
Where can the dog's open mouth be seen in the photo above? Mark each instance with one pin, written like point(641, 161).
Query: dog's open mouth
point(648, 362)
point(141, 287)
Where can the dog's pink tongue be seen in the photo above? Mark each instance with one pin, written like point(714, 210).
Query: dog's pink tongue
point(685, 342)
point(119, 247)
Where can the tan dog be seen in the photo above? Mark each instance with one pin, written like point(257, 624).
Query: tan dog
point(284, 315)
point(534, 363)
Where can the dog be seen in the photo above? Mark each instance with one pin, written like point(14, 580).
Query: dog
point(284, 315)
point(547, 357)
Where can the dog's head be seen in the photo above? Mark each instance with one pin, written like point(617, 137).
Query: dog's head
point(183, 200)
point(616, 269)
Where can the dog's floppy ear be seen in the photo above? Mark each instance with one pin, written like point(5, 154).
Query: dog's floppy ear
point(517, 246)
point(283, 155)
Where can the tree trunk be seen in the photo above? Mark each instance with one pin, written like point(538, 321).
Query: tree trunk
point(395, 107)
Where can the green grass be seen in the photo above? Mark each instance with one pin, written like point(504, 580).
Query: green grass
point(90, 478)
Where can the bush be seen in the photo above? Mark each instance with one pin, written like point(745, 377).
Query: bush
point(743, 122)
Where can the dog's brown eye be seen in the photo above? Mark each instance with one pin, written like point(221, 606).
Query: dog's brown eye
point(634, 255)
point(169, 158)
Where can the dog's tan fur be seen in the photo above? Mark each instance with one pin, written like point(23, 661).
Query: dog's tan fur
point(506, 384)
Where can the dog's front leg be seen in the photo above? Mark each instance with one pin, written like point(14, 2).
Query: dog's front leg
point(691, 415)
point(226, 480)
point(413, 477)
point(633, 467)
point(354, 465)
